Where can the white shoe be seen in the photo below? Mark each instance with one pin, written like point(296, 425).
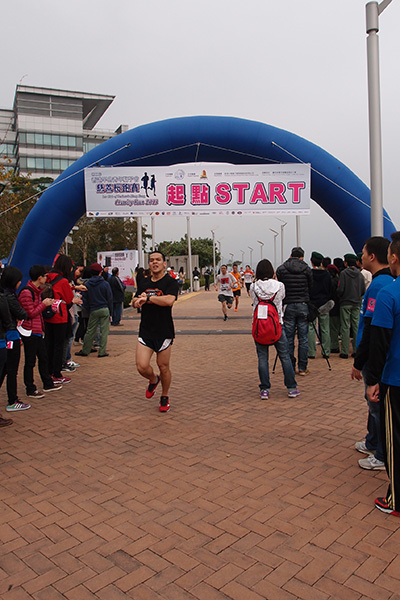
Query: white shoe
point(361, 447)
point(371, 463)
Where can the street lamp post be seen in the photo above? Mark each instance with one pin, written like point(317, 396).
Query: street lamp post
point(153, 233)
point(282, 226)
point(189, 243)
point(275, 236)
point(213, 240)
point(373, 10)
point(261, 248)
point(251, 256)
point(242, 251)
point(298, 240)
point(282, 256)
point(139, 241)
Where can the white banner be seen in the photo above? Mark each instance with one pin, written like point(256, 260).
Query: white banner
point(125, 260)
point(198, 189)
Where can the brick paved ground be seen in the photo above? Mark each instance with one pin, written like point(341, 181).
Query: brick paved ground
point(224, 497)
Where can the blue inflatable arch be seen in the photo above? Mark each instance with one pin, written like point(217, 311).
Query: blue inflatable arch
point(334, 187)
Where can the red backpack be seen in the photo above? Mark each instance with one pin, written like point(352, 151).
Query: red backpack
point(266, 329)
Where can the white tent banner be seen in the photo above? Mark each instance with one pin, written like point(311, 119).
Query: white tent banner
point(198, 189)
point(125, 260)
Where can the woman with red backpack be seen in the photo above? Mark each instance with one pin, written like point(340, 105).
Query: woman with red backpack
point(267, 294)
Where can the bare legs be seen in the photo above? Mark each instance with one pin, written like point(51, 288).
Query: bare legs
point(143, 358)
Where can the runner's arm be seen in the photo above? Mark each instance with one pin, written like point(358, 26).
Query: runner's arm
point(138, 301)
point(167, 300)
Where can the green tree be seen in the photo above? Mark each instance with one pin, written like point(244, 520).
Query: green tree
point(94, 235)
point(203, 247)
point(18, 195)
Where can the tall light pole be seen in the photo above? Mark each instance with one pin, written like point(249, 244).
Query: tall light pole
point(282, 226)
point(139, 241)
point(189, 243)
point(261, 248)
point(219, 250)
point(153, 232)
point(231, 255)
point(298, 240)
point(251, 256)
point(242, 251)
point(373, 10)
point(275, 236)
point(213, 240)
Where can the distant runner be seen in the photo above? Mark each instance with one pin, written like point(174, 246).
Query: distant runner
point(248, 278)
point(237, 286)
point(226, 282)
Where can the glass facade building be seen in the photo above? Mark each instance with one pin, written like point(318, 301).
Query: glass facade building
point(47, 130)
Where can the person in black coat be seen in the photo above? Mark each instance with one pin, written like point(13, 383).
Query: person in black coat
point(320, 294)
point(297, 278)
point(118, 293)
point(5, 325)
point(10, 281)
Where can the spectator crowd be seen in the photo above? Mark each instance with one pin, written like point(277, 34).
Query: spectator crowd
point(59, 305)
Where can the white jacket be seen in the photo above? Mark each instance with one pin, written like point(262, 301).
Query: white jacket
point(265, 290)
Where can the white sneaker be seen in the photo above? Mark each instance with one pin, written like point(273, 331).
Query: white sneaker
point(371, 463)
point(361, 447)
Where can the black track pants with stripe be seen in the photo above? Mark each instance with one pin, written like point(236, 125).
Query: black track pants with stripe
point(390, 428)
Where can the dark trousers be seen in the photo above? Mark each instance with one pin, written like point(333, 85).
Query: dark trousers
point(82, 326)
point(390, 430)
point(11, 370)
point(116, 313)
point(56, 334)
point(34, 346)
point(3, 360)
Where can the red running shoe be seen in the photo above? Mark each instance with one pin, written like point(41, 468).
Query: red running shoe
point(164, 404)
point(61, 380)
point(151, 388)
point(382, 504)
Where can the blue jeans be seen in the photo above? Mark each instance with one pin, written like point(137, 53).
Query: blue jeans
point(117, 313)
point(296, 319)
point(68, 343)
point(373, 439)
point(281, 347)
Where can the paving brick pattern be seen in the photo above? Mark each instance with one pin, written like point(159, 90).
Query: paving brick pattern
point(226, 497)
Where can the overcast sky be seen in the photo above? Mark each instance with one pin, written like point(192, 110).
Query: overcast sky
point(297, 65)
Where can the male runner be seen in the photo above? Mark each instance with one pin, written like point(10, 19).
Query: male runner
point(226, 282)
point(248, 278)
point(237, 286)
point(155, 295)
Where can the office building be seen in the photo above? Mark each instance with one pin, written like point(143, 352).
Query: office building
point(47, 129)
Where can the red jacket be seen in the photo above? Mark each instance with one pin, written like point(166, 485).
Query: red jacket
point(63, 290)
point(34, 307)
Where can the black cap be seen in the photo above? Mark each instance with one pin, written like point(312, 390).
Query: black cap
point(297, 251)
